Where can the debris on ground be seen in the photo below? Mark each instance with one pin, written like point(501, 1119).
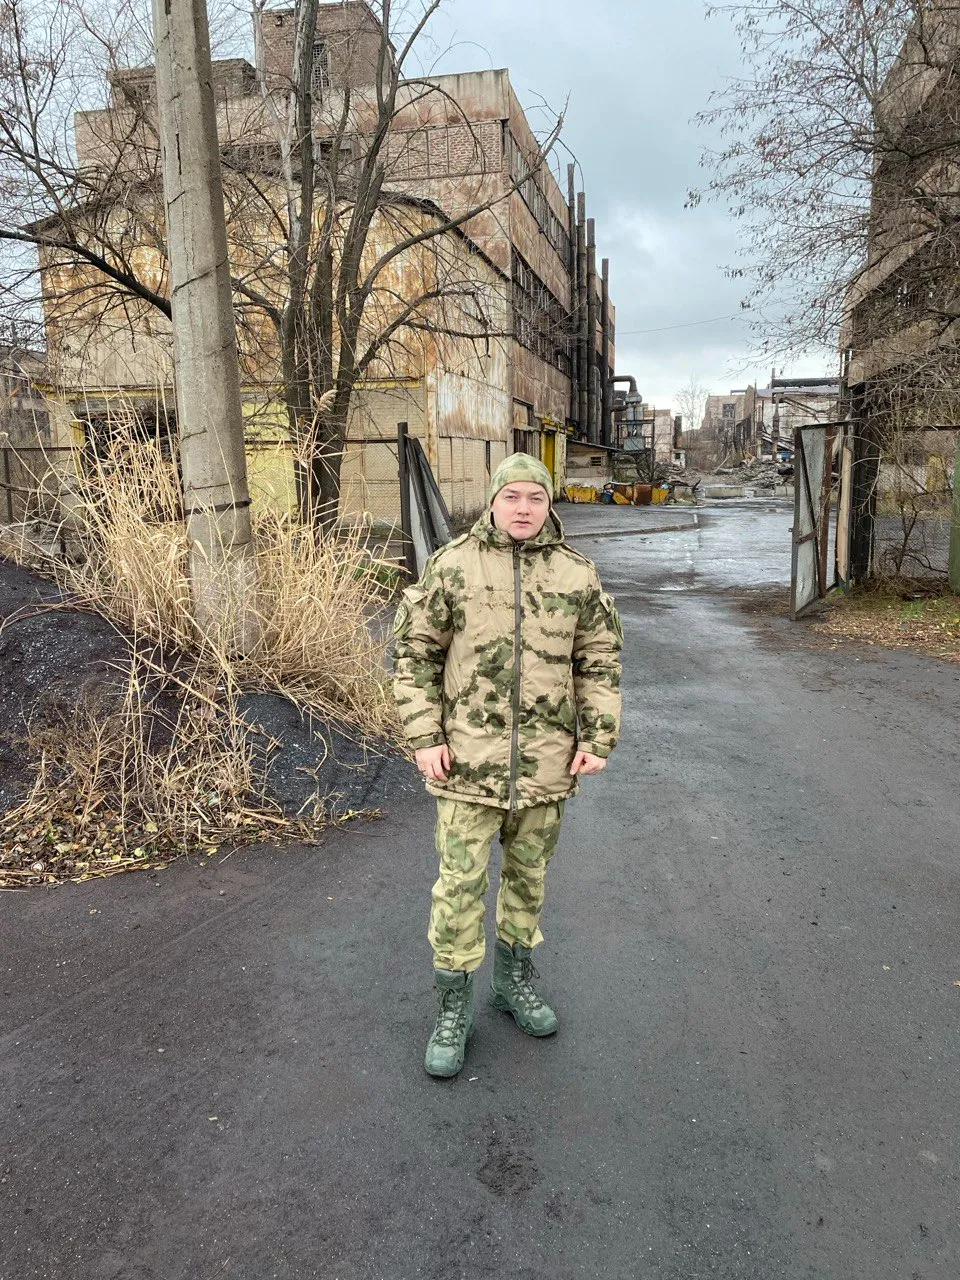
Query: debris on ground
point(757, 473)
point(912, 616)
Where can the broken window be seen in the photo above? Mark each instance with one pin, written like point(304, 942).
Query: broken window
point(320, 73)
point(534, 196)
point(540, 322)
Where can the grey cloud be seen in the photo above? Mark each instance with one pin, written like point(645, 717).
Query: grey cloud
point(636, 74)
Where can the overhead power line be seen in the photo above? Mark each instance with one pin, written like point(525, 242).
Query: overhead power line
point(627, 333)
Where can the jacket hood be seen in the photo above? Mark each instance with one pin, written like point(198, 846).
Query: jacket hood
point(520, 466)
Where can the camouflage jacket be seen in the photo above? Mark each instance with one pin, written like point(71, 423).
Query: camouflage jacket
point(509, 653)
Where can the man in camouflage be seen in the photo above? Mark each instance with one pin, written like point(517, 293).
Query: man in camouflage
point(507, 678)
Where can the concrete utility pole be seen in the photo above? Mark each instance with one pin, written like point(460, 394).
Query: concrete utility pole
point(215, 495)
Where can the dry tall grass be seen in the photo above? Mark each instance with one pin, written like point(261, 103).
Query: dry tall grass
point(172, 767)
point(315, 596)
point(130, 781)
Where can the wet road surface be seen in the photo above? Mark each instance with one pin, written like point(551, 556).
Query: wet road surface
point(750, 940)
point(739, 547)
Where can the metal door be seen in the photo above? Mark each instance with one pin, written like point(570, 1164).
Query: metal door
point(819, 463)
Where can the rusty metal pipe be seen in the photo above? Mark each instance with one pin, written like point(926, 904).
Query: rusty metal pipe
point(573, 342)
point(606, 390)
point(593, 423)
point(584, 370)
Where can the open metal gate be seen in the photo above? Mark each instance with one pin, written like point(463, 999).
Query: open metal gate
point(822, 472)
point(424, 518)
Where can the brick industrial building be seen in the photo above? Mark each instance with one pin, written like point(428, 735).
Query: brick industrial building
point(456, 143)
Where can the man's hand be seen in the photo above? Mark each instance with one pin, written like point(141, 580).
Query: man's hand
point(434, 762)
point(584, 763)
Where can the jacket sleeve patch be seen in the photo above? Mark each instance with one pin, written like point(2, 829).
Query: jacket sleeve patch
point(613, 617)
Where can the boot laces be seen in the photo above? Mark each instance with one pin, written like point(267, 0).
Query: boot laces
point(523, 977)
point(451, 1017)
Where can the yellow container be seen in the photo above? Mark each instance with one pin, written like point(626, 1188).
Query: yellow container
point(660, 493)
point(581, 493)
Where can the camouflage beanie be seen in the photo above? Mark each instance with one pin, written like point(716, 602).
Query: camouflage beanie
point(520, 466)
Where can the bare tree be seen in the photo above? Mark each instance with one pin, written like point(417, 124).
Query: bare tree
point(354, 216)
point(842, 160)
point(691, 401)
point(346, 260)
point(827, 99)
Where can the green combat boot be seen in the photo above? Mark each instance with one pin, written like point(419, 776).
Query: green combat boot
point(447, 1045)
point(513, 990)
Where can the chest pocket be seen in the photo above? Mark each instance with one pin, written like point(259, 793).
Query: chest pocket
point(550, 620)
point(487, 614)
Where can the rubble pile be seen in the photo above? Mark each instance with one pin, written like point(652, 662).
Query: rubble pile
point(759, 474)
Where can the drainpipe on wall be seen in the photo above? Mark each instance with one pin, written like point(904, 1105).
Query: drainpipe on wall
point(584, 371)
point(592, 398)
point(573, 340)
point(606, 423)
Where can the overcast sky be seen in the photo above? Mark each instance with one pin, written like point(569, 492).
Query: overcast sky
point(637, 71)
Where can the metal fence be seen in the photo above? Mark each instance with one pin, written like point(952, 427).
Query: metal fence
point(30, 480)
point(914, 502)
point(35, 480)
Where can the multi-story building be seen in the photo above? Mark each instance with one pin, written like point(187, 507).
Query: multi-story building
point(720, 410)
point(787, 404)
point(728, 419)
point(899, 341)
point(456, 143)
point(762, 421)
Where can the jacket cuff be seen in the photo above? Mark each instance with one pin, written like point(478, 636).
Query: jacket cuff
point(427, 740)
point(601, 749)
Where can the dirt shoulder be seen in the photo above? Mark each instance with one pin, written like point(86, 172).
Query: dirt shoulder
point(927, 624)
point(904, 619)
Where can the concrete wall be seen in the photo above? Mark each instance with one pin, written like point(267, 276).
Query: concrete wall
point(588, 466)
point(452, 146)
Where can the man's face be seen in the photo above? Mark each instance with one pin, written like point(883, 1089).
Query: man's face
point(521, 509)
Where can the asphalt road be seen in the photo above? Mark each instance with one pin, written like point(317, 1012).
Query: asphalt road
point(751, 943)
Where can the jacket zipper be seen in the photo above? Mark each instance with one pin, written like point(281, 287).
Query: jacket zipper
point(517, 672)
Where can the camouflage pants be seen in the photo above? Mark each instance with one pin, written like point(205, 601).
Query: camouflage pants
point(464, 834)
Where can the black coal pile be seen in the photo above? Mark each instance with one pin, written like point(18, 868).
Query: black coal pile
point(55, 655)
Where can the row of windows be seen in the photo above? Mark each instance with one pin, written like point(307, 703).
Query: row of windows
point(540, 321)
point(534, 198)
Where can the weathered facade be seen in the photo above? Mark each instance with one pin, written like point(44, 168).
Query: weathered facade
point(759, 421)
point(787, 404)
point(899, 343)
point(456, 143)
point(901, 309)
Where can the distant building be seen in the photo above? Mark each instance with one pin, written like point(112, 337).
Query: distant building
point(789, 403)
point(28, 452)
point(758, 422)
point(730, 420)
